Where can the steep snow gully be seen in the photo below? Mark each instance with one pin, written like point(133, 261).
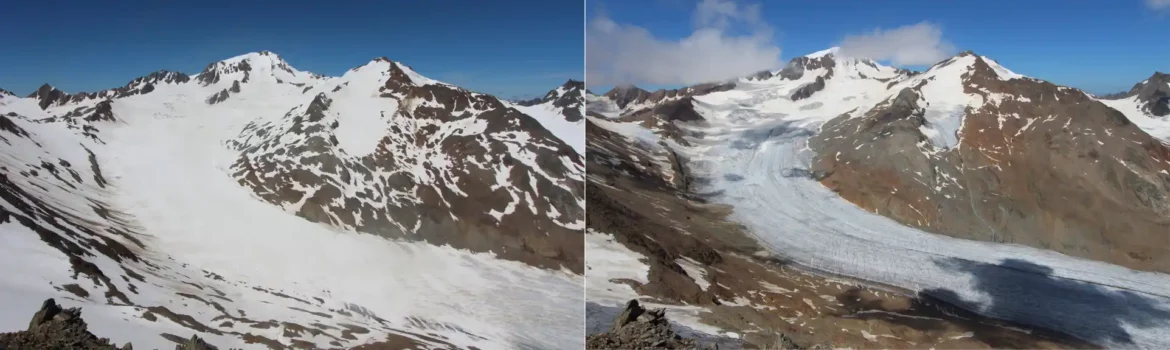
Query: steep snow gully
point(757, 161)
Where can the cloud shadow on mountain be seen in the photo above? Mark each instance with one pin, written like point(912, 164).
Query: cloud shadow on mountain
point(1025, 292)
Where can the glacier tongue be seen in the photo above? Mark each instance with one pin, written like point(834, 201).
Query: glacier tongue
point(801, 219)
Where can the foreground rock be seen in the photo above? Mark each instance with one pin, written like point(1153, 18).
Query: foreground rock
point(639, 328)
point(53, 327)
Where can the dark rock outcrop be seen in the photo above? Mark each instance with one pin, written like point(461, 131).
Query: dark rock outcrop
point(1153, 94)
point(639, 328)
point(797, 66)
point(624, 96)
point(761, 75)
point(53, 327)
point(56, 328)
point(194, 343)
point(807, 90)
point(47, 95)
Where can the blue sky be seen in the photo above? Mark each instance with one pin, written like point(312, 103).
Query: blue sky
point(507, 48)
point(1098, 46)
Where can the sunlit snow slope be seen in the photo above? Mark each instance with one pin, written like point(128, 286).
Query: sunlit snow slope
point(560, 111)
point(226, 204)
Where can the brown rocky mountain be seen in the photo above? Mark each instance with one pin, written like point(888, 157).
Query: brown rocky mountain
point(1034, 163)
point(431, 175)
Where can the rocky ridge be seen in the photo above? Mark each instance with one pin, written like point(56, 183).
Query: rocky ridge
point(1152, 94)
point(569, 99)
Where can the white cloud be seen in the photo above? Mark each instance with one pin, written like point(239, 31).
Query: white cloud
point(628, 54)
point(917, 44)
point(1158, 4)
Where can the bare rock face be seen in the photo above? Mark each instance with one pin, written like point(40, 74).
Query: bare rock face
point(194, 343)
point(454, 167)
point(639, 328)
point(1153, 94)
point(624, 95)
point(807, 90)
point(633, 96)
point(49, 95)
point(798, 66)
point(55, 328)
point(1035, 164)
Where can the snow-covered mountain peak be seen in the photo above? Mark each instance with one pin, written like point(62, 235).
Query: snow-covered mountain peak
point(832, 51)
point(394, 75)
point(259, 57)
point(243, 68)
point(829, 63)
point(380, 66)
point(561, 111)
point(969, 62)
